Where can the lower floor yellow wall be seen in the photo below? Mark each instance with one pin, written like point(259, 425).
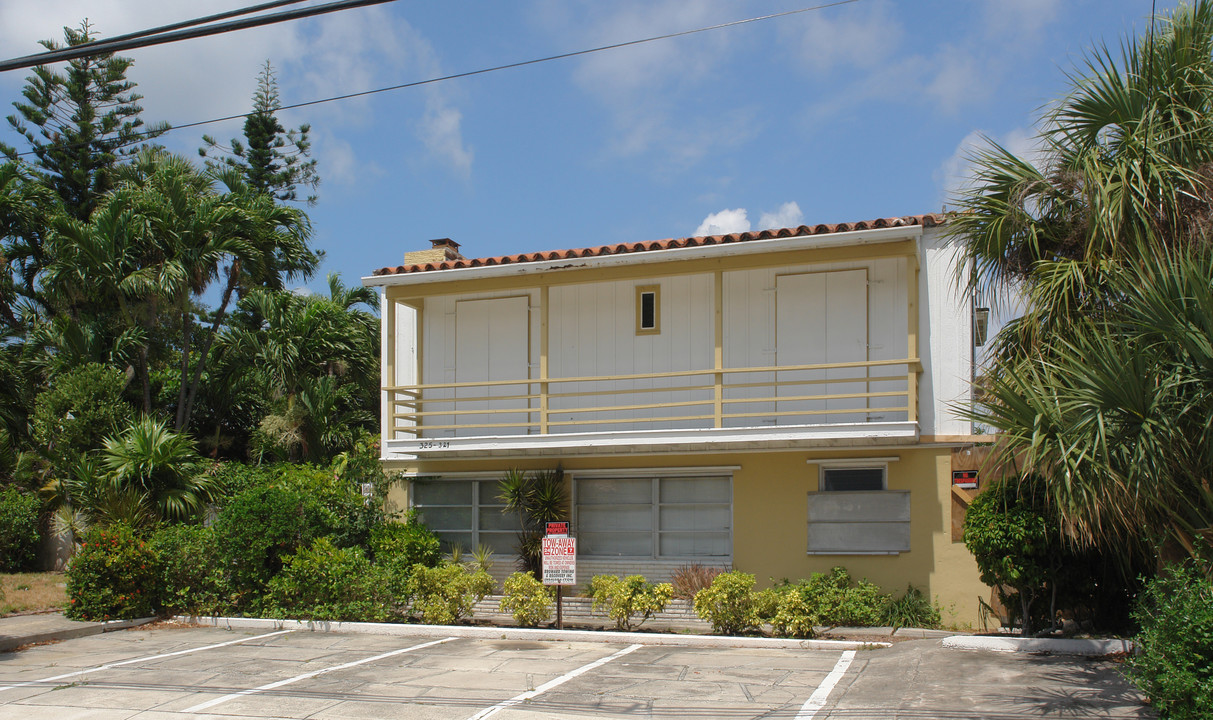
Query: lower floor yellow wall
point(770, 517)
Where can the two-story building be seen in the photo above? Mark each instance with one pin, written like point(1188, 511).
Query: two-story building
point(780, 401)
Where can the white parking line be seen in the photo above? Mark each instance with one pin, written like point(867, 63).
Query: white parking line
point(107, 666)
point(314, 673)
point(552, 683)
point(818, 699)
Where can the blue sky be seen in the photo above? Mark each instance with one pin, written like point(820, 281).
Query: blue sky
point(841, 114)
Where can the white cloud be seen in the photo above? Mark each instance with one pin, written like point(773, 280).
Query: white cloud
point(211, 77)
point(863, 37)
point(788, 215)
point(440, 130)
point(1018, 18)
point(646, 88)
point(723, 223)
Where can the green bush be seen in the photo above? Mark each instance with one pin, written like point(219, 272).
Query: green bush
point(731, 605)
point(19, 537)
point(527, 599)
point(260, 527)
point(80, 409)
point(831, 599)
point(444, 594)
point(914, 609)
point(192, 580)
point(1174, 667)
point(324, 582)
point(111, 577)
point(625, 599)
point(408, 542)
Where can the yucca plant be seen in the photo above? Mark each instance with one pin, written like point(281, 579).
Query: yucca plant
point(538, 498)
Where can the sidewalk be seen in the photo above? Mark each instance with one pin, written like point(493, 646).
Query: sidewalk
point(18, 630)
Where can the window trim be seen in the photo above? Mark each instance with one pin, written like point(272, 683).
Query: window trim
point(883, 467)
point(641, 292)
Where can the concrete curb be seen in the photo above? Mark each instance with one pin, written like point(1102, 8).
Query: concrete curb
point(533, 634)
point(1041, 646)
point(70, 632)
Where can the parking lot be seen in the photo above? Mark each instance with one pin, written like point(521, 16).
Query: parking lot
point(171, 672)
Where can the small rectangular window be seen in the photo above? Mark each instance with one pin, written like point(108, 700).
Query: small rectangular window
point(648, 309)
point(852, 479)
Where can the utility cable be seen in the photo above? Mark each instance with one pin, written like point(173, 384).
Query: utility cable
point(507, 66)
point(189, 31)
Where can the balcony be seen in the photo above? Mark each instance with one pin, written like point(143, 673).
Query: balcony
point(871, 402)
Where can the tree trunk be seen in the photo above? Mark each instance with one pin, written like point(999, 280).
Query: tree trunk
point(183, 417)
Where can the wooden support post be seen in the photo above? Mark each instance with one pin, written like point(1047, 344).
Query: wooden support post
point(543, 362)
point(718, 350)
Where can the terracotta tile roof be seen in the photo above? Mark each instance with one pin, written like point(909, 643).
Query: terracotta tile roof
point(928, 220)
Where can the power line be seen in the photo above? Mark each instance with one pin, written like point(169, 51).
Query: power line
point(507, 66)
point(189, 31)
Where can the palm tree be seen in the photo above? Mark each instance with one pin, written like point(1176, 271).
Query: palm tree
point(1082, 385)
point(161, 467)
point(317, 359)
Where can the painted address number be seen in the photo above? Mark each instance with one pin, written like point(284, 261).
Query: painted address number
point(434, 444)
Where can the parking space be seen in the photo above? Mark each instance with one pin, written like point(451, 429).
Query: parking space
point(215, 673)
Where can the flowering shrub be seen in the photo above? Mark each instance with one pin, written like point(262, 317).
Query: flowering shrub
point(111, 577)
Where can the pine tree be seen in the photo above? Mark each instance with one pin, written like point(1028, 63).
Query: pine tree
point(80, 123)
point(273, 160)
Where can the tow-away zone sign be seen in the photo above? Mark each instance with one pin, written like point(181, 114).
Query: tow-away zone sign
point(559, 561)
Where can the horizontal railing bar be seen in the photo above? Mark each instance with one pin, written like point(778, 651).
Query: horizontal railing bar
point(603, 421)
point(656, 406)
point(484, 411)
point(655, 376)
point(832, 411)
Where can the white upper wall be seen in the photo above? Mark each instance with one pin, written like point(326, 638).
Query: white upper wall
point(592, 331)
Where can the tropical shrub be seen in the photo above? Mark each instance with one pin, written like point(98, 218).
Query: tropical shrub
point(731, 605)
point(444, 594)
point(161, 467)
point(538, 498)
point(112, 576)
point(626, 598)
point(80, 409)
point(1017, 548)
point(527, 599)
point(834, 600)
point(192, 579)
point(796, 615)
point(408, 542)
point(914, 609)
point(19, 536)
point(325, 582)
point(688, 580)
point(1174, 667)
point(258, 528)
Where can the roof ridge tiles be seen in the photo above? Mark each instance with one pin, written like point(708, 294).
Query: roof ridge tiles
point(925, 220)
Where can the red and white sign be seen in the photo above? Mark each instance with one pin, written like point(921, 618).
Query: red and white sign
point(557, 529)
point(559, 561)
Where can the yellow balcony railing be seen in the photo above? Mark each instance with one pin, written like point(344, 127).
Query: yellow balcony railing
point(870, 391)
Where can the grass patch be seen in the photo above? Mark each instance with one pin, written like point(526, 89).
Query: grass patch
point(26, 592)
